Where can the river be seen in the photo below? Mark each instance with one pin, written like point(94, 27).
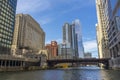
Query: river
point(79, 73)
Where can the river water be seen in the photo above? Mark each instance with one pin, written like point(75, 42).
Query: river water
point(79, 73)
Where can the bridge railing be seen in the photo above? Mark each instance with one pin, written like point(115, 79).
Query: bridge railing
point(17, 57)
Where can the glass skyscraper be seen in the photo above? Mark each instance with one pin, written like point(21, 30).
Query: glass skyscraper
point(78, 37)
point(72, 36)
point(67, 38)
point(7, 20)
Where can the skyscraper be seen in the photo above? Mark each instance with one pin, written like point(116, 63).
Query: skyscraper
point(78, 39)
point(67, 34)
point(73, 38)
point(103, 14)
point(114, 34)
point(67, 46)
point(7, 20)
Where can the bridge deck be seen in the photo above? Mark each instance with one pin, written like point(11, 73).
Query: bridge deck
point(78, 60)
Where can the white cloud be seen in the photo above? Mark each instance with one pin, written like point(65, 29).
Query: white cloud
point(59, 40)
point(77, 4)
point(26, 6)
point(90, 46)
point(44, 20)
point(48, 42)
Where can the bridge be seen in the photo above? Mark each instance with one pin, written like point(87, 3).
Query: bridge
point(104, 61)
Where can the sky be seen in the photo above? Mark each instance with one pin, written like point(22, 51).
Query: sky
point(52, 14)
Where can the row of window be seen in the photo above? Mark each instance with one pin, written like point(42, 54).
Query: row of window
point(6, 17)
point(5, 28)
point(7, 9)
point(5, 41)
point(10, 3)
point(2, 33)
point(7, 20)
point(5, 45)
point(13, 3)
point(6, 36)
point(6, 13)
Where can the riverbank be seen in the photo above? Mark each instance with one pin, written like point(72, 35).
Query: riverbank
point(12, 69)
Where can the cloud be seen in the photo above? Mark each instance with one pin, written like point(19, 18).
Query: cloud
point(90, 46)
point(44, 21)
point(30, 6)
point(48, 42)
point(77, 4)
point(59, 40)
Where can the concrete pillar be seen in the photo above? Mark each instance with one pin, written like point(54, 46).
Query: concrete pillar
point(5, 64)
point(12, 63)
point(119, 48)
point(9, 63)
point(21, 63)
point(15, 63)
point(18, 63)
point(1, 63)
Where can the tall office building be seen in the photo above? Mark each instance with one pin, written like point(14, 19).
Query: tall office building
point(73, 38)
point(29, 37)
point(67, 34)
point(114, 34)
point(99, 42)
point(7, 20)
point(103, 14)
point(79, 49)
point(67, 46)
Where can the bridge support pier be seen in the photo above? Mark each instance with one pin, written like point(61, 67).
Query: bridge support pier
point(106, 66)
point(51, 65)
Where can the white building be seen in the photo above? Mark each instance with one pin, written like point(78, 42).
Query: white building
point(103, 8)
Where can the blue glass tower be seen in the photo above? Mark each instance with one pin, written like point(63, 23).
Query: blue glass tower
point(7, 20)
point(79, 49)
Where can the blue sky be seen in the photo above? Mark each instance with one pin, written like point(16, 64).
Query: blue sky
point(52, 14)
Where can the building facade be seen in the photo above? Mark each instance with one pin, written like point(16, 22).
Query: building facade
point(79, 49)
point(88, 55)
point(7, 20)
point(28, 35)
point(103, 8)
point(67, 34)
point(99, 42)
point(52, 50)
point(114, 35)
point(72, 38)
point(68, 41)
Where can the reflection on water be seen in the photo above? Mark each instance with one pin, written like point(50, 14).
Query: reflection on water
point(80, 73)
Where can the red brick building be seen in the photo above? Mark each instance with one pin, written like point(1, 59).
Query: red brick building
point(52, 49)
